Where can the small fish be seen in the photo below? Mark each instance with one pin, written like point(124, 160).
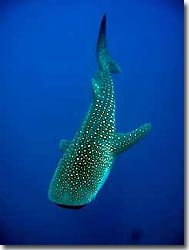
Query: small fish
point(88, 158)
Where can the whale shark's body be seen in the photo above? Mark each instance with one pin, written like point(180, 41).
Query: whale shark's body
point(88, 158)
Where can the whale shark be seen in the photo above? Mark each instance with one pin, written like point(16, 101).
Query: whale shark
point(88, 158)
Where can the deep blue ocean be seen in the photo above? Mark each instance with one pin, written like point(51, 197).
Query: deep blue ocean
point(47, 61)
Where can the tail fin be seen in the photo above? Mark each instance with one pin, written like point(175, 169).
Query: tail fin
point(103, 56)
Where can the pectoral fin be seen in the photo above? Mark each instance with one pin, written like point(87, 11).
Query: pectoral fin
point(121, 142)
point(64, 144)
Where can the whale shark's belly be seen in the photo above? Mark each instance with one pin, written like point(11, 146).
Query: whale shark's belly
point(79, 176)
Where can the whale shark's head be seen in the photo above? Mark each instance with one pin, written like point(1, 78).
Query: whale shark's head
point(79, 177)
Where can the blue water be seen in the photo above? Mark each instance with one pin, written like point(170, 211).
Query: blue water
point(47, 61)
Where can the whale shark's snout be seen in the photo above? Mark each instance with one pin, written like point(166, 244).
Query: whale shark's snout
point(70, 207)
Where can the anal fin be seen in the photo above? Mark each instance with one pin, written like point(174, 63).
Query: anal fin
point(114, 67)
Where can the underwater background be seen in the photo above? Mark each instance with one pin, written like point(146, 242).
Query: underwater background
point(47, 61)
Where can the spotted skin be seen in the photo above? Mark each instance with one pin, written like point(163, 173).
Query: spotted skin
point(88, 158)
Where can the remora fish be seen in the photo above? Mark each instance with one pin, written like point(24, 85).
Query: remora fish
point(88, 158)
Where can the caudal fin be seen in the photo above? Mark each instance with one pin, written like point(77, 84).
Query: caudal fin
point(103, 57)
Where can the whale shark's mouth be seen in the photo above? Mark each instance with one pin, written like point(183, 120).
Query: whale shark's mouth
point(70, 207)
